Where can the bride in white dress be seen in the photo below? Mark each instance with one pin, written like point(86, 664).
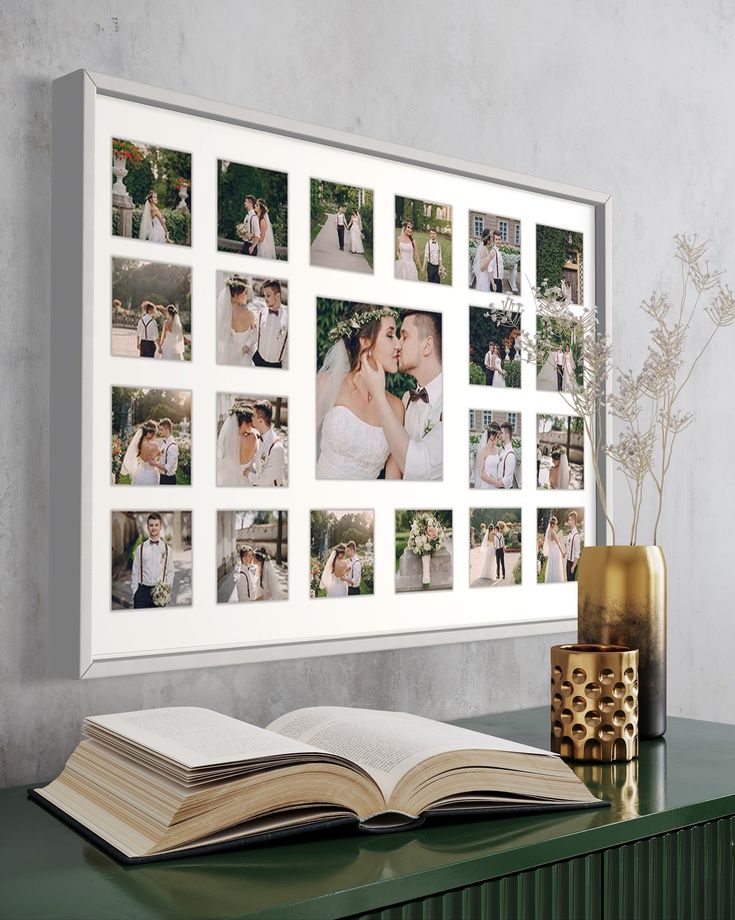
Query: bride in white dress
point(152, 222)
point(407, 257)
point(335, 572)
point(554, 553)
point(482, 256)
point(350, 439)
point(267, 585)
point(237, 324)
point(267, 245)
point(237, 446)
point(487, 548)
point(355, 228)
point(497, 363)
point(172, 336)
point(487, 464)
point(568, 377)
point(141, 457)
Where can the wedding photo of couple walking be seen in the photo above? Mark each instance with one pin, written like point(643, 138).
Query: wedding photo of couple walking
point(151, 437)
point(423, 241)
point(252, 441)
point(341, 226)
point(379, 392)
point(560, 539)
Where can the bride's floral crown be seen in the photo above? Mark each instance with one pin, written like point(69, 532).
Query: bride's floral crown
point(358, 320)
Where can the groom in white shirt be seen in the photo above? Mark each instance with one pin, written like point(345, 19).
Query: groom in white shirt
point(559, 362)
point(417, 445)
point(270, 350)
point(169, 453)
point(354, 573)
point(573, 547)
point(147, 332)
point(252, 239)
point(341, 224)
point(151, 564)
point(270, 469)
point(432, 258)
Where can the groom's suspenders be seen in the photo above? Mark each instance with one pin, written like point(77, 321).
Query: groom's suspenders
point(145, 326)
point(165, 561)
point(257, 347)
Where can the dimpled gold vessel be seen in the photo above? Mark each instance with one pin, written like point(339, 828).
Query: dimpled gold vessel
point(594, 702)
point(622, 601)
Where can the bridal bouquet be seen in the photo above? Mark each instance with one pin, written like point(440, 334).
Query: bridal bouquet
point(645, 405)
point(426, 537)
point(161, 593)
point(242, 231)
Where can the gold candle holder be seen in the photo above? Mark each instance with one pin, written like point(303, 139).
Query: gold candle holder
point(594, 702)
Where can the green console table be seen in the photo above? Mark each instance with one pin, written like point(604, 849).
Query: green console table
point(664, 849)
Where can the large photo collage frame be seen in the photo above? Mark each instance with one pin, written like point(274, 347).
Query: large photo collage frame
point(306, 413)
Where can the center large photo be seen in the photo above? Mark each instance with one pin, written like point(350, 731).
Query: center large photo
point(379, 393)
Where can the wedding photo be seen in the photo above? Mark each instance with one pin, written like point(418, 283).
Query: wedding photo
point(494, 253)
point(559, 544)
point(495, 547)
point(252, 210)
point(151, 559)
point(151, 437)
point(252, 556)
point(252, 440)
point(495, 449)
point(559, 264)
point(560, 452)
point(379, 392)
point(342, 561)
point(151, 310)
point(423, 551)
point(423, 241)
point(252, 321)
point(495, 348)
point(341, 226)
point(562, 368)
point(151, 193)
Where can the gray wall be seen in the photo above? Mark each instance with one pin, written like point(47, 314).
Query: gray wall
point(621, 97)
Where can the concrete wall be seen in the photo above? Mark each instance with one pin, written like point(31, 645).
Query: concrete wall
point(626, 98)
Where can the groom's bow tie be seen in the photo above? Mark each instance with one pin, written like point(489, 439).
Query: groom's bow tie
point(419, 393)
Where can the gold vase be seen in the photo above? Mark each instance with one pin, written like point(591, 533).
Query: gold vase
point(594, 702)
point(622, 601)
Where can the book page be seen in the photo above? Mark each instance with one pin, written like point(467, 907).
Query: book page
point(386, 744)
point(196, 737)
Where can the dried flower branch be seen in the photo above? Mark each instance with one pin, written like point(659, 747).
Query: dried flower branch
point(646, 403)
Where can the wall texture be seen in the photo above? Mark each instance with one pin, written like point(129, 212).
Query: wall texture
point(621, 97)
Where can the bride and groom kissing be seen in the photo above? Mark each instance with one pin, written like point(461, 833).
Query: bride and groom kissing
point(152, 457)
point(255, 577)
point(363, 430)
point(249, 451)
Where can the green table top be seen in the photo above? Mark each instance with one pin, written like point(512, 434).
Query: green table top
point(48, 871)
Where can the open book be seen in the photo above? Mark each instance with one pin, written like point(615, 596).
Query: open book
point(164, 782)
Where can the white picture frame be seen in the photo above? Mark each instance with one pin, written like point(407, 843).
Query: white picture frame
point(89, 638)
